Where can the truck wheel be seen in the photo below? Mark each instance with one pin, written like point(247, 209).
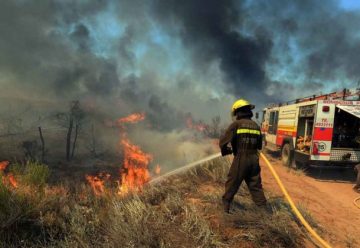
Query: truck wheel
point(286, 155)
point(297, 165)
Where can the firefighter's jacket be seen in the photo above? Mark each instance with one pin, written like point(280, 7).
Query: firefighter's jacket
point(244, 136)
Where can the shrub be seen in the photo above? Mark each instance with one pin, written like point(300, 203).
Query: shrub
point(32, 173)
point(35, 174)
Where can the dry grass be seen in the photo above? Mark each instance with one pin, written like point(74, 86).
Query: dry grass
point(182, 211)
point(351, 241)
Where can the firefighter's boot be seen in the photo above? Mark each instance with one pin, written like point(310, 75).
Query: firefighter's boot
point(226, 206)
point(356, 189)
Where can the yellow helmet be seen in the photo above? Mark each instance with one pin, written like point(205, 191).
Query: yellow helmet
point(239, 104)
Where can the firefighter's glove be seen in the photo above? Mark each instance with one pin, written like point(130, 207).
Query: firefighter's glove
point(226, 151)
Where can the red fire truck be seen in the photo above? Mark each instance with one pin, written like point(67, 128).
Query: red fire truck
point(321, 130)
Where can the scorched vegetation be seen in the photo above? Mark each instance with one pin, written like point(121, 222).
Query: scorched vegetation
point(180, 211)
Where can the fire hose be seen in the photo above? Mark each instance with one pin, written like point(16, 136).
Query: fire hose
point(293, 206)
point(186, 167)
point(355, 202)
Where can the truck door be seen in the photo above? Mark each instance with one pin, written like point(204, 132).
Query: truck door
point(273, 126)
point(323, 131)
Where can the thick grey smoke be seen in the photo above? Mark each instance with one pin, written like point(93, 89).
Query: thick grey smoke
point(211, 31)
point(49, 48)
point(316, 43)
point(171, 58)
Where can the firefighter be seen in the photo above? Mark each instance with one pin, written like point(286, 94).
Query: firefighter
point(245, 139)
point(357, 185)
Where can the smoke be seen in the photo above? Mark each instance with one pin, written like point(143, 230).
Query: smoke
point(316, 43)
point(263, 46)
point(177, 148)
point(211, 31)
point(171, 58)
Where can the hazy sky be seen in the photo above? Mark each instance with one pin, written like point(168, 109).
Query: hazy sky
point(169, 57)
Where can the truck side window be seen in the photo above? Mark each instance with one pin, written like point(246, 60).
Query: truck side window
point(273, 122)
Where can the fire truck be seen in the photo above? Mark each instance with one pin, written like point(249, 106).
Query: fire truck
point(320, 130)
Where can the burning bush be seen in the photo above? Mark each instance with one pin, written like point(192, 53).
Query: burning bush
point(21, 204)
point(7, 178)
point(97, 183)
point(134, 172)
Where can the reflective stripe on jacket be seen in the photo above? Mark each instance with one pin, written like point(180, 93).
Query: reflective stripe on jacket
point(244, 136)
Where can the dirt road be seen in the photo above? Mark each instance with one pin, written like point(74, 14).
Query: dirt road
point(327, 195)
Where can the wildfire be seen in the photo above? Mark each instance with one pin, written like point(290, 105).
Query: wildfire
point(3, 165)
point(133, 118)
point(7, 179)
point(97, 183)
point(134, 172)
point(12, 180)
point(201, 127)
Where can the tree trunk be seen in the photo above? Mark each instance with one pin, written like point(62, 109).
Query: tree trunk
point(68, 138)
point(42, 145)
point(75, 139)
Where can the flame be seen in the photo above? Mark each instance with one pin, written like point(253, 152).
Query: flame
point(135, 171)
point(97, 183)
point(3, 165)
point(133, 118)
point(7, 179)
point(12, 180)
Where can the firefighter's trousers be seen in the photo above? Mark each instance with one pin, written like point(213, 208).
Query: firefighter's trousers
point(245, 167)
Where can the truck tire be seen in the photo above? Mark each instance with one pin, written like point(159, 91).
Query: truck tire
point(300, 161)
point(287, 155)
point(296, 164)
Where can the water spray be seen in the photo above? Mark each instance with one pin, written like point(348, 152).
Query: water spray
point(186, 167)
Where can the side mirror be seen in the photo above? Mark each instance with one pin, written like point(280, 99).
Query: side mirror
point(257, 115)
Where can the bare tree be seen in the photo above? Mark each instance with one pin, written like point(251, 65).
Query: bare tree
point(75, 139)
point(72, 119)
point(68, 137)
point(42, 144)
